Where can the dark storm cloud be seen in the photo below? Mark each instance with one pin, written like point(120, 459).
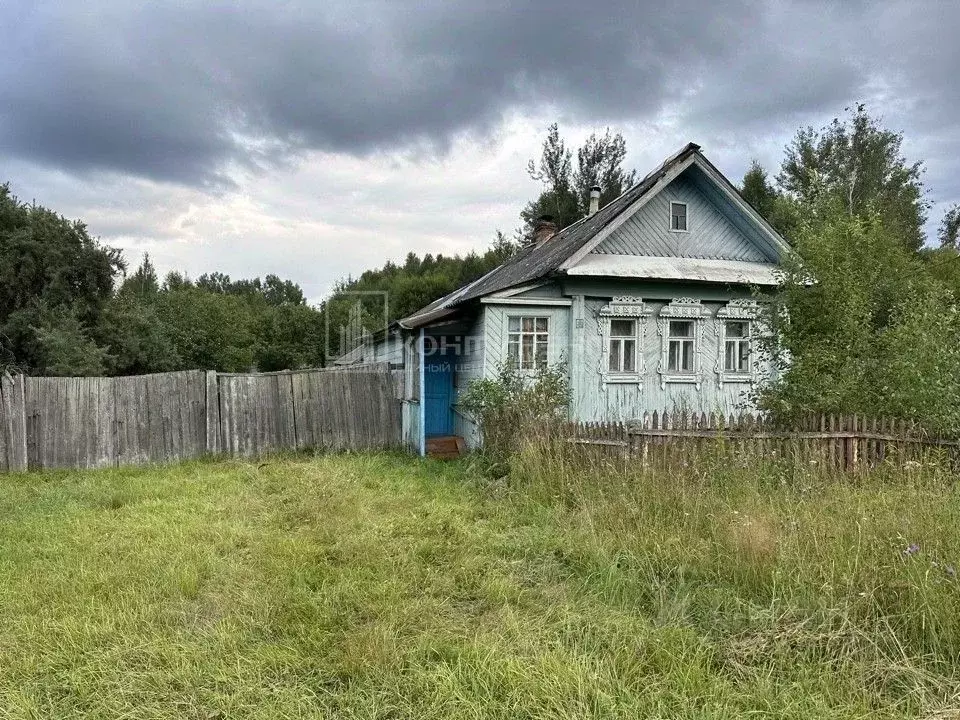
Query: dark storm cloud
point(177, 91)
point(182, 91)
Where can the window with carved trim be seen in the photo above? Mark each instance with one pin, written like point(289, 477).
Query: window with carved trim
point(737, 352)
point(528, 338)
point(680, 346)
point(623, 346)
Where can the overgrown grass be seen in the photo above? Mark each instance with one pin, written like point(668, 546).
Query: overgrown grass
point(379, 586)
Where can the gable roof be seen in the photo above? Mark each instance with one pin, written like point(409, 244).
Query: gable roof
point(571, 245)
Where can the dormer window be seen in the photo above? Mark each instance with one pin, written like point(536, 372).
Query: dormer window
point(678, 217)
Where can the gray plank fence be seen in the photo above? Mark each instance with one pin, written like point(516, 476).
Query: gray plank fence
point(845, 443)
point(48, 422)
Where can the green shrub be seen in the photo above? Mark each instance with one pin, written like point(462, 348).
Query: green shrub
point(516, 404)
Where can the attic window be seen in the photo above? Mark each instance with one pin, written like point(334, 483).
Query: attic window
point(678, 217)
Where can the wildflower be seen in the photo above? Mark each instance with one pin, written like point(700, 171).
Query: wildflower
point(912, 549)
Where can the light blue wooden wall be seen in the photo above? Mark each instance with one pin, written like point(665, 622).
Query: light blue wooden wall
point(468, 367)
point(712, 234)
point(594, 399)
point(495, 333)
point(580, 346)
point(490, 349)
point(410, 408)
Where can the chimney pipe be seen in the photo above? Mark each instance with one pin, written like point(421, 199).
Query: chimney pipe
point(543, 229)
point(594, 200)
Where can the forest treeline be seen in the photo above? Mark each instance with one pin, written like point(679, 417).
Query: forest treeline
point(867, 313)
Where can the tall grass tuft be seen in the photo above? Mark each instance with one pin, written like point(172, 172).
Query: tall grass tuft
point(791, 571)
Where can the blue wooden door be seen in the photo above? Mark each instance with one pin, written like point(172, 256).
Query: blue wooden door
point(438, 393)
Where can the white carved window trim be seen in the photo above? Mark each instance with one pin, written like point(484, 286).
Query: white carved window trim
point(744, 310)
point(622, 307)
point(681, 309)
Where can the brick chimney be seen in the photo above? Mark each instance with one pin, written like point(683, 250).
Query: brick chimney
point(543, 229)
point(594, 200)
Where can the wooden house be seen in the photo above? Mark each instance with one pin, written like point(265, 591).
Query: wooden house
point(649, 303)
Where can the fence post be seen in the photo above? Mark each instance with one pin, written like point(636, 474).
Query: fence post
point(213, 413)
point(13, 415)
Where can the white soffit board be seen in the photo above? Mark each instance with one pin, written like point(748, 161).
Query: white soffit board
point(671, 268)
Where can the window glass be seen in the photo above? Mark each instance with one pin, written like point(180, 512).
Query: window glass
point(528, 340)
point(736, 355)
point(680, 346)
point(623, 346)
point(630, 356)
point(681, 328)
point(736, 329)
point(678, 216)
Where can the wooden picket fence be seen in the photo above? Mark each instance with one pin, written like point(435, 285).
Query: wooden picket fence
point(90, 422)
point(841, 442)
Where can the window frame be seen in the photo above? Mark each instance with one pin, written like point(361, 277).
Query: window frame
point(686, 216)
point(534, 333)
point(738, 310)
point(623, 307)
point(738, 342)
point(689, 310)
point(681, 341)
point(622, 340)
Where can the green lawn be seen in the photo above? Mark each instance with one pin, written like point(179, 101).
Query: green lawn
point(379, 586)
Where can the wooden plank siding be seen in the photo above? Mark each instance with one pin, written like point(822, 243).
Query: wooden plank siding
point(711, 233)
point(468, 366)
point(495, 331)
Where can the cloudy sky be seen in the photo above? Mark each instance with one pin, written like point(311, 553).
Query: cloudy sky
point(316, 139)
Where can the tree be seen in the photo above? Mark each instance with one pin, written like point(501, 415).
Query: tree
point(143, 283)
point(137, 339)
point(555, 171)
point(279, 292)
point(566, 193)
point(64, 346)
point(859, 164)
point(209, 330)
point(288, 336)
point(418, 282)
point(949, 231)
point(862, 332)
point(271, 289)
point(176, 281)
point(777, 209)
point(55, 281)
point(757, 190)
point(600, 162)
